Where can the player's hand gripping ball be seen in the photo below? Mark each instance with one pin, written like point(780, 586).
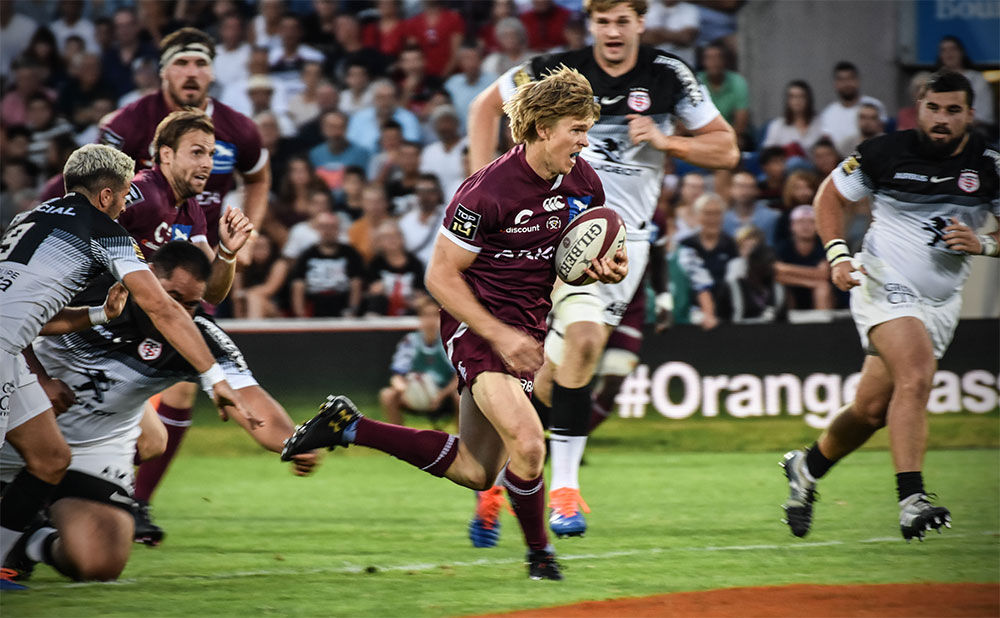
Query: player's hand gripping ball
point(595, 233)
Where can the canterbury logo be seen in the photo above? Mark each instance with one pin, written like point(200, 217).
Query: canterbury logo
point(553, 204)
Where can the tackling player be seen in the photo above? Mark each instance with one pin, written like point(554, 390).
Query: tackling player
point(933, 186)
point(641, 91)
point(112, 370)
point(492, 272)
point(48, 255)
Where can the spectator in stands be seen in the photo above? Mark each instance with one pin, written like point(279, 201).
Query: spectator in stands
point(443, 158)
point(146, 79)
point(395, 277)
point(824, 157)
point(714, 247)
point(260, 93)
point(43, 122)
point(305, 233)
point(86, 120)
point(358, 93)
point(250, 299)
point(332, 156)
point(469, 81)
point(286, 62)
point(772, 166)
point(16, 31)
point(279, 149)
point(952, 56)
point(672, 26)
point(383, 163)
point(575, 33)
point(232, 54)
point(43, 50)
point(685, 221)
point(19, 178)
point(499, 10)
point(802, 265)
point(840, 118)
point(27, 83)
point(727, 88)
point(375, 210)
point(234, 93)
point(116, 63)
point(746, 209)
point(717, 23)
point(300, 182)
point(799, 125)
point(85, 85)
point(420, 225)
point(351, 49)
point(364, 126)
point(415, 85)
point(869, 123)
point(74, 47)
point(438, 31)
point(349, 197)
point(303, 106)
point(544, 24)
point(71, 22)
point(388, 33)
point(327, 278)
point(327, 100)
point(512, 42)
point(265, 29)
point(401, 183)
point(421, 352)
point(321, 27)
point(907, 117)
point(756, 295)
point(800, 188)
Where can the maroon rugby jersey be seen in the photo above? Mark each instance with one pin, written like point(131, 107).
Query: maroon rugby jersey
point(237, 147)
point(512, 218)
point(152, 217)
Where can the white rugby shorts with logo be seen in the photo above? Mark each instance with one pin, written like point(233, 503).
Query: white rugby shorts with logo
point(886, 295)
point(21, 396)
point(603, 303)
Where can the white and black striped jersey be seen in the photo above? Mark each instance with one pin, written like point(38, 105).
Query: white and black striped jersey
point(114, 368)
point(660, 86)
point(914, 198)
point(51, 253)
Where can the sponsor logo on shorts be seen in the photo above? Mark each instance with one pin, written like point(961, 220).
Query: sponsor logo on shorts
point(638, 100)
point(527, 385)
point(968, 181)
point(5, 392)
point(617, 309)
point(464, 223)
point(150, 349)
point(899, 294)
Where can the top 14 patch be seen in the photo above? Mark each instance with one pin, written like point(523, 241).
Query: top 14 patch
point(464, 223)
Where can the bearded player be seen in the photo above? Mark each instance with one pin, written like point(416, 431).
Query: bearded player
point(641, 91)
point(492, 272)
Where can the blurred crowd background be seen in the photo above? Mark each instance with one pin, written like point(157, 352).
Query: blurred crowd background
point(362, 105)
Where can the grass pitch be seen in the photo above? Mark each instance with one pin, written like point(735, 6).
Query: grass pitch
point(369, 536)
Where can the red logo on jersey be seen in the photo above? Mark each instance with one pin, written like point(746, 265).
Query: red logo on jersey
point(968, 181)
point(150, 349)
point(638, 100)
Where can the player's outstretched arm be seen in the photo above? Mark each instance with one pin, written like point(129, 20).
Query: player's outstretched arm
point(72, 319)
point(177, 327)
point(444, 281)
point(278, 426)
point(829, 205)
point(485, 112)
point(234, 232)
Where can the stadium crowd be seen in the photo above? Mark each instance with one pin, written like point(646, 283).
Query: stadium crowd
point(362, 106)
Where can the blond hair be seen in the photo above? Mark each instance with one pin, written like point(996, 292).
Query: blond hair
point(95, 166)
point(603, 6)
point(560, 94)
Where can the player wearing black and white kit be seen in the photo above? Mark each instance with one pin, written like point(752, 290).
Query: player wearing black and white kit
point(932, 188)
point(642, 92)
point(48, 255)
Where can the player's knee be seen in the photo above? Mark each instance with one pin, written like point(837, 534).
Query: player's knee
point(530, 453)
point(48, 463)
point(870, 412)
point(152, 442)
point(101, 568)
point(914, 382)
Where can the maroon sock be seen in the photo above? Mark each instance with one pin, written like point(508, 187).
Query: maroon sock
point(528, 500)
point(431, 451)
point(598, 414)
point(177, 421)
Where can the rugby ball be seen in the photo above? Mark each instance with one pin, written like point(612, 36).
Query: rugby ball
point(421, 390)
point(595, 233)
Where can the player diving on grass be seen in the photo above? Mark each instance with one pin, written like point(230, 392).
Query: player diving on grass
point(933, 187)
point(642, 91)
point(492, 272)
point(87, 531)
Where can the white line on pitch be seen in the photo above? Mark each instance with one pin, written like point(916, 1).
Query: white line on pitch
point(349, 568)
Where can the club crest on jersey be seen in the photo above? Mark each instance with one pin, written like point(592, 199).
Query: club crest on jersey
point(150, 349)
point(464, 223)
point(968, 181)
point(638, 101)
point(553, 223)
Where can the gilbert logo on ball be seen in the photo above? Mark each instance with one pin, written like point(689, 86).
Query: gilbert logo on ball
point(595, 233)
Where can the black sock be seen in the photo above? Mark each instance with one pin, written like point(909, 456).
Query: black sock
point(816, 462)
point(909, 483)
point(22, 500)
point(543, 411)
point(570, 410)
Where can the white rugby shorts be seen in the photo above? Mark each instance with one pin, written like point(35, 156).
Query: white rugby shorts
point(604, 303)
point(885, 295)
point(21, 396)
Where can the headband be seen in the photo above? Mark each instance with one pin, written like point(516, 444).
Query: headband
point(199, 50)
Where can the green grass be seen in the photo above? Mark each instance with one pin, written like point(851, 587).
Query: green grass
point(672, 510)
